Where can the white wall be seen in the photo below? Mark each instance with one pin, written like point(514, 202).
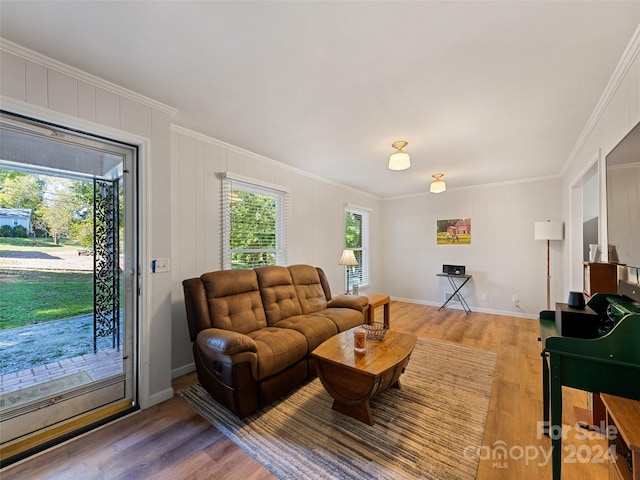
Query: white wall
point(617, 112)
point(503, 258)
point(316, 225)
point(590, 211)
point(36, 86)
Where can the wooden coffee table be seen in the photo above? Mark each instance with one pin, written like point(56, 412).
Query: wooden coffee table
point(353, 378)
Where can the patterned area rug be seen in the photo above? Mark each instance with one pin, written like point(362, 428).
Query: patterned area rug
point(420, 431)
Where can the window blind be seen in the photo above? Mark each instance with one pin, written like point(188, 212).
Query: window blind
point(254, 224)
point(357, 239)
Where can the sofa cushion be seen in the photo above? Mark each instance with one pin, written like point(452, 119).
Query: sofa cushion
point(279, 297)
point(344, 318)
point(316, 328)
point(234, 300)
point(278, 349)
point(306, 281)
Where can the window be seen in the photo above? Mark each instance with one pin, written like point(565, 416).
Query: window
point(356, 237)
point(254, 221)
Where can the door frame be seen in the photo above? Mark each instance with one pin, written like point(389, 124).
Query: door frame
point(144, 219)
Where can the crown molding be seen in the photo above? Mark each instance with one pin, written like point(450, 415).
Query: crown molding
point(35, 57)
point(506, 183)
point(205, 138)
point(620, 72)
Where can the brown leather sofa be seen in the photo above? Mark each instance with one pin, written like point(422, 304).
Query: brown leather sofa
point(253, 330)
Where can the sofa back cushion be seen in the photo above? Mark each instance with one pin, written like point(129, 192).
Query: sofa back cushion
point(278, 294)
point(234, 300)
point(306, 281)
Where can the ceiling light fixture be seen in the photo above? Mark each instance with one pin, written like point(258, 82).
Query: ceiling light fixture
point(399, 160)
point(438, 186)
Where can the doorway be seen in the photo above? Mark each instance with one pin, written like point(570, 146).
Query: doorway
point(69, 261)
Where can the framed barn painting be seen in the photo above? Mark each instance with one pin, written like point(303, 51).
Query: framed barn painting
point(454, 231)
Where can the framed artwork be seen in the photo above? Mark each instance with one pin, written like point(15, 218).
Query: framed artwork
point(453, 231)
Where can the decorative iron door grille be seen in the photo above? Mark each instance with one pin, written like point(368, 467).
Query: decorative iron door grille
point(106, 283)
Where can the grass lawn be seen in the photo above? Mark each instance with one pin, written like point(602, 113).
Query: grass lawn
point(37, 244)
point(32, 296)
point(463, 239)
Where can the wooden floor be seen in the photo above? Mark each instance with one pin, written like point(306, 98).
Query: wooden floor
point(171, 441)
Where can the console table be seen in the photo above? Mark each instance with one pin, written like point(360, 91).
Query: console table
point(464, 279)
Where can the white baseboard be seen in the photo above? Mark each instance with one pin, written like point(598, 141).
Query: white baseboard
point(160, 397)
point(183, 370)
point(454, 305)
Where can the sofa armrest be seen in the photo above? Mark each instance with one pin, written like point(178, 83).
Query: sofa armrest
point(354, 302)
point(225, 342)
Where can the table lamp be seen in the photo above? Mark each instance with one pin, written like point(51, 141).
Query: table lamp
point(348, 259)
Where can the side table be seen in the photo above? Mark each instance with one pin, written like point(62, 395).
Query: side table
point(375, 301)
point(623, 432)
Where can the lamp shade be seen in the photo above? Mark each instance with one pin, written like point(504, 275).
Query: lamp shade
point(348, 258)
point(549, 231)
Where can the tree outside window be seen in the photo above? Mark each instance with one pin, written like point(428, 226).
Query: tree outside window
point(254, 230)
point(356, 222)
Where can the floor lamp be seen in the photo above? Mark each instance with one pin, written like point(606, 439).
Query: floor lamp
point(549, 231)
point(348, 259)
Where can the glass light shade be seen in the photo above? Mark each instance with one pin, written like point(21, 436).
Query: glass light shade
point(438, 186)
point(399, 161)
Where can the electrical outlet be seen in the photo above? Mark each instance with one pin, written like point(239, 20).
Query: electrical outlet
point(516, 299)
point(483, 296)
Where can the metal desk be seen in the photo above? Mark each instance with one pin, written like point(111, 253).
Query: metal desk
point(456, 288)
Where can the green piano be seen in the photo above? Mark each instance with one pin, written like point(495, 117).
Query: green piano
point(609, 363)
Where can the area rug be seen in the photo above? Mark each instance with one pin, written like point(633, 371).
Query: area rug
point(424, 430)
point(43, 390)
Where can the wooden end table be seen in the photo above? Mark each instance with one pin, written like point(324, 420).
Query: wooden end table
point(375, 301)
point(353, 378)
point(623, 431)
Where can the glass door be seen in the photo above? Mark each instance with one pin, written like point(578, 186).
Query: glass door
point(68, 282)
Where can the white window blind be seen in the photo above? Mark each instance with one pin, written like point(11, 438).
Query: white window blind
point(356, 220)
point(254, 224)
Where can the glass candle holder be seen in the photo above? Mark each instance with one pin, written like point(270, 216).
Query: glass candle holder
point(360, 340)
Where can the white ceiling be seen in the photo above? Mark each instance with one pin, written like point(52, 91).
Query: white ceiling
point(484, 92)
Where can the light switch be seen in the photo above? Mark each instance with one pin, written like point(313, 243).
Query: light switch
point(159, 265)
